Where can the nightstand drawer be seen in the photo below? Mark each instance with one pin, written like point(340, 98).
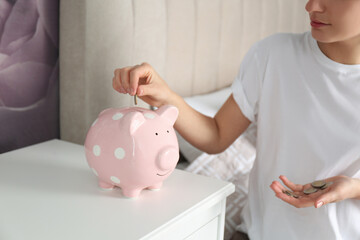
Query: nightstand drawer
point(208, 232)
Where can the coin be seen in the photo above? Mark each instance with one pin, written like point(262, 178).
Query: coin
point(318, 184)
point(291, 194)
point(310, 190)
point(286, 192)
point(326, 185)
point(135, 99)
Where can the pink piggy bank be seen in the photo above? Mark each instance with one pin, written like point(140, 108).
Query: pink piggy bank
point(133, 148)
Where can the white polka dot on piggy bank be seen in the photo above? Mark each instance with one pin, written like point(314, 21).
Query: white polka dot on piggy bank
point(133, 148)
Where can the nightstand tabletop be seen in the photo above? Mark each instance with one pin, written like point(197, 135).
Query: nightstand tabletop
point(47, 191)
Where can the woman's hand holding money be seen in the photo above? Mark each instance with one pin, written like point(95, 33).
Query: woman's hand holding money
point(317, 193)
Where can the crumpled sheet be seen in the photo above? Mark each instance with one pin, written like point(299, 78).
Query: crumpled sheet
point(28, 72)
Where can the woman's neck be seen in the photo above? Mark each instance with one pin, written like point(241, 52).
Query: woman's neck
point(345, 52)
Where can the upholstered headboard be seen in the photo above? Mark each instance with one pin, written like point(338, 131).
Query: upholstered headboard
point(195, 45)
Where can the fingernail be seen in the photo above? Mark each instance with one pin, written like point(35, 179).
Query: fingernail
point(141, 92)
point(319, 204)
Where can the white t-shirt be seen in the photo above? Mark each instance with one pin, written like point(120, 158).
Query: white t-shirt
point(307, 109)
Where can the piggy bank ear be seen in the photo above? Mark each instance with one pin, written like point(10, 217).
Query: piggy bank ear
point(168, 112)
point(133, 121)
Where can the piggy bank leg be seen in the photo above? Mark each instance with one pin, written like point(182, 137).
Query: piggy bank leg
point(155, 187)
point(106, 186)
point(131, 192)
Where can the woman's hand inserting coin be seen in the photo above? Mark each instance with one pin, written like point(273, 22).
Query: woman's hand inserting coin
point(144, 82)
point(317, 193)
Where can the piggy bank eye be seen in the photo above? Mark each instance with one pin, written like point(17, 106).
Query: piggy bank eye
point(167, 131)
point(156, 134)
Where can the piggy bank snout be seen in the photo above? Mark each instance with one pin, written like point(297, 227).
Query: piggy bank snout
point(168, 158)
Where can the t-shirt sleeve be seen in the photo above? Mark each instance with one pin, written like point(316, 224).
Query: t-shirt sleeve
point(246, 87)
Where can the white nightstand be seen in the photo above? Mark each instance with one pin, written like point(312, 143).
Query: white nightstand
point(47, 191)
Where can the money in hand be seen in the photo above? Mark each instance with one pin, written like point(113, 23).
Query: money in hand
point(316, 186)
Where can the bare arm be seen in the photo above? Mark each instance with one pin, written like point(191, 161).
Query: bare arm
point(212, 135)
